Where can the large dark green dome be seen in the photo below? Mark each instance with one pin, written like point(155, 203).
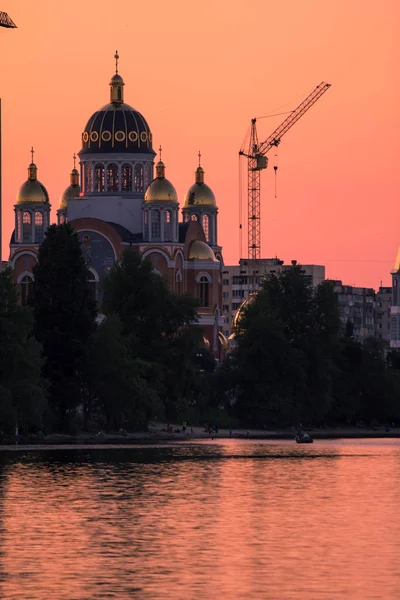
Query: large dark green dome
point(117, 127)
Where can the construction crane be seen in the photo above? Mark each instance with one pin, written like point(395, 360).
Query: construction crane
point(258, 161)
point(5, 21)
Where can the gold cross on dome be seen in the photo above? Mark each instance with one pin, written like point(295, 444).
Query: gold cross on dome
point(199, 155)
point(116, 56)
point(32, 152)
point(74, 157)
point(160, 151)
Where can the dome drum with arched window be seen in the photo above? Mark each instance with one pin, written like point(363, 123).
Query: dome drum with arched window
point(119, 176)
point(160, 209)
point(32, 210)
point(200, 205)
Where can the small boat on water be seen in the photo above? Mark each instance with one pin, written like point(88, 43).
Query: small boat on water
point(303, 438)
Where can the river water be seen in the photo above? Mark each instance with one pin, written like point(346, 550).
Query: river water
point(237, 519)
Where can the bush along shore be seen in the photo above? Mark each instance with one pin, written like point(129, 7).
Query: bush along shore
point(192, 434)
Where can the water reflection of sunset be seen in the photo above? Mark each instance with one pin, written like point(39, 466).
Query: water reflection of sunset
point(234, 519)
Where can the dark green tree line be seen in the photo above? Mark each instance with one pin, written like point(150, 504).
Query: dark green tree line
point(291, 365)
point(64, 314)
point(158, 326)
point(22, 389)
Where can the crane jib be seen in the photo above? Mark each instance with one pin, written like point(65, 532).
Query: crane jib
point(257, 161)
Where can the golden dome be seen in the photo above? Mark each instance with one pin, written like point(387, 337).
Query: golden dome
point(70, 193)
point(201, 251)
point(73, 190)
point(116, 79)
point(32, 191)
point(160, 189)
point(222, 340)
point(240, 311)
point(200, 194)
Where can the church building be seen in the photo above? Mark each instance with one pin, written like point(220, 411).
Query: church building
point(116, 201)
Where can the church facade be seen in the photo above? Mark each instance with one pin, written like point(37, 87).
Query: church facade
point(117, 201)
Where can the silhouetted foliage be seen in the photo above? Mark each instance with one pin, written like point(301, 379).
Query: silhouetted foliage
point(64, 314)
point(158, 327)
point(119, 392)
point(282, 370)
point(22, 389)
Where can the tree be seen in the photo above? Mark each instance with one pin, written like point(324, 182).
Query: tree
point(282, 370)
point(22, 389)
point(367, 385)
point(117, 382)
point(64, 314)
point(158, 325)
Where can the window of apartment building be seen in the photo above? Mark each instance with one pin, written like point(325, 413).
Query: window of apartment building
point(225, 282)
point(235, 305)
point(225, 307)
point(237, 293)
point(225, 295)
point(239, 280)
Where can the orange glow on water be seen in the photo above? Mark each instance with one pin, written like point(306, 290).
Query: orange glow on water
point(199, 73)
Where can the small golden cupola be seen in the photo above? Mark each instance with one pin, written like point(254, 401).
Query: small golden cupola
point(160, 209)
point(160, 189)
point(73, 190)
point(32, 191)
point(32, 209)
point(116, 84)
point(200, 205)
point(200, 194)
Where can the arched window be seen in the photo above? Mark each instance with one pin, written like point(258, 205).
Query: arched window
point(168, 225)
point(139, 178)
point(99, 178)
point(88, 178)
point(27, 227)
point(18, 227)
point(206, 227)
point(112, 178)
point(395, 291)
point(126, 178)
point(92, 285)
point(146, 224)
point(149, 174)
point(194, 218)
point(26, 289)
point(155, 225)
point(178, 281)
point(204, 291)
point(39, 227)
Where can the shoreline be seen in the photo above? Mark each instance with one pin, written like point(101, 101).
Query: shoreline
point(158, 436)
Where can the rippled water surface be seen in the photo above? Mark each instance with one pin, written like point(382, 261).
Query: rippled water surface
point(225, 519)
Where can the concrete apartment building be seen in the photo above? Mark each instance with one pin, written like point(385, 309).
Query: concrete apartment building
point(357, 305)
point(238, 281)
point(367, 310)
point(383, 302)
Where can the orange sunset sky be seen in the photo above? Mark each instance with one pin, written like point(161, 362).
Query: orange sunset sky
point(198, 72)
